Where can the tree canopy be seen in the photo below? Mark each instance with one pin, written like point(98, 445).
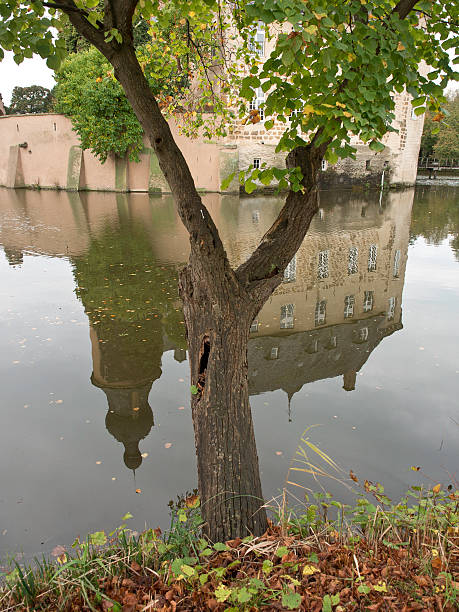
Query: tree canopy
point(441, 140)
point(336, 65)
point(32, 99)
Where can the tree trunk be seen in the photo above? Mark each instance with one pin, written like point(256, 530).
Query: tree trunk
point(228, 473)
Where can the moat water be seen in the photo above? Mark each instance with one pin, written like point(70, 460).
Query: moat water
point(360, 341)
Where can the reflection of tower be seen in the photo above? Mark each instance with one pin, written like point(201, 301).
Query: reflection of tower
point(14, 257)
point(349, 380)
point(129, 420)
point(125, 367)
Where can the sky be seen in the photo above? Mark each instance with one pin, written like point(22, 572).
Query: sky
point(33, 71)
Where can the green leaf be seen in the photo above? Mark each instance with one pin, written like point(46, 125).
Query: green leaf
point(363, 588)
point(288, 57)
point(194, 389)
point(187, 570)
point(249, 186)
point(226, 182)
point(291, 600)
point(243, 595)
point(98, 538)
point(281, 551)
point(127, 516)
point(220, 547)
point(222, 593)
point(269, 124)
point(376, 146)
point(267, 566)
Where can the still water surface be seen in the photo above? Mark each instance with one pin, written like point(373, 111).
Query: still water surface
point(362, 339)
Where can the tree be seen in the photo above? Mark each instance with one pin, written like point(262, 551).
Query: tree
point(338, 63)
point(447, 142)
point(441, 139)
point(30, 100)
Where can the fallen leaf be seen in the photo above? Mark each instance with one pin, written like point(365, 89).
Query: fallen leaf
point(436, 488)
point(279, 453)
point(138, 491)
point(309, 570)
point(353, 476)
point(167, 445)
point(144, 455)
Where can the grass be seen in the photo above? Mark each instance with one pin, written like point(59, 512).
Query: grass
point(376, 555)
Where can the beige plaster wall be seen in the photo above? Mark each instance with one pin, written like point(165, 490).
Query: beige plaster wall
point(35, 152)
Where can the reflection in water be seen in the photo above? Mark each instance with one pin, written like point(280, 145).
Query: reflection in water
point(341, 294)
point(436, 216)
point(342, 297)
point(133, 311)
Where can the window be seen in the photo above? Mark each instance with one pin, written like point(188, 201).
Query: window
point(257, 102)
point(257, 40)
point(290, 271)
point(368, 301)
point(254, 326)
point(286, 316)
point(349, 302)
point(397, 257)
point(320, 313)
point(372, 255)
point(368, 164)
point(256, 163)
point(255, 216)
point(324, 165)
point(274, 352)
point(322, 267)
point(352, 266)
point(391, 309)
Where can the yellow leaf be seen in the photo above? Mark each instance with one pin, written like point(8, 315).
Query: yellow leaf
point(400, 47)
point(308, 109)
point(191, 14)
point(309, 570)
point(436, 488)
point(340, 105)
point(346, 114)
point(415, 469)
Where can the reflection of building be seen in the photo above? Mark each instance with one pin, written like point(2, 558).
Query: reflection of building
point(340, 297)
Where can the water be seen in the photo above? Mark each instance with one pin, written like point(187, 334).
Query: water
point(94, 377)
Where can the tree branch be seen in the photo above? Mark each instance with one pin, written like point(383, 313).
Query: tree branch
point(78, 18)
point(404, 7)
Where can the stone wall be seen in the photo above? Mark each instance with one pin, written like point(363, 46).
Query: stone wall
point(43, 151)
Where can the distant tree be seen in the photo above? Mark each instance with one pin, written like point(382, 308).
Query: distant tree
point(33, 99)
point(440, 137)
point(447, 143)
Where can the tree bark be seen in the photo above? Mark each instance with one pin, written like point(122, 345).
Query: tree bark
point(219, 303)
point(228, 472)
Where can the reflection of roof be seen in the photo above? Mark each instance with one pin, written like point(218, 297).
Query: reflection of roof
point(313, 355)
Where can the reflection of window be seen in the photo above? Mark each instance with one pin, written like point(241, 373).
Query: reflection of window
point(349, 302)
point(398, 256)
point(254, 326)
point(256, 163)
point(332, 342)
point(321, 214)
point(391, 309)
point(257, 40)
point(313, 346)
point(290, 271)
point(274, 352)
point(363, 334)
point(321, 311)
point(286, 316)
point(258, 101)
point(352, 265)
point(368, 164)
point(368, 301)
point(372, 254)
point(255, 216)
point(324, 164)
point(322, 270)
